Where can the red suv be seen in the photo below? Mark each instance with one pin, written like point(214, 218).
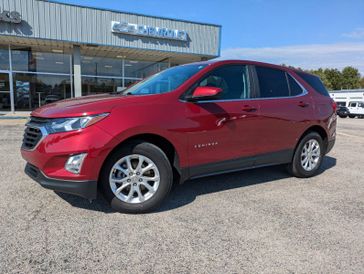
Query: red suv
point(185, 122)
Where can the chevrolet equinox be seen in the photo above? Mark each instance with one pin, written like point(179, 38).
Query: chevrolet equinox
point(182, 123)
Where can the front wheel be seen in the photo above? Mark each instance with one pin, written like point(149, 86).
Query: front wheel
point(351, 116)
point(136, 178)
point(343, 116)
point(308, 156)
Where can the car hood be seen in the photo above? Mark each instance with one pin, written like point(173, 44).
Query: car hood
point(87, 105)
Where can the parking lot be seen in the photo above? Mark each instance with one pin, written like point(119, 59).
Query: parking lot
point(253, 221)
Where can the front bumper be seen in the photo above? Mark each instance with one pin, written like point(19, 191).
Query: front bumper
point(86, 189)
point(53, 151)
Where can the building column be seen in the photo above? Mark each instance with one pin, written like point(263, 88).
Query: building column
point(77, 71)
point(11, 83)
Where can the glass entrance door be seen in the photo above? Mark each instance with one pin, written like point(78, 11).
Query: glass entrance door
point(5, 102)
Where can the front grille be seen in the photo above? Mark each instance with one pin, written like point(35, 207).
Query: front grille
point(33, 134)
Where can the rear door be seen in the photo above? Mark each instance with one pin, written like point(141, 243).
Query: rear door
point(285, 111)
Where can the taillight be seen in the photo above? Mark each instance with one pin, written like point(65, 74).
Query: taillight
point(334, 105)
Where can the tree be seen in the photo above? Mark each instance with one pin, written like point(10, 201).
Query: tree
point(335, 77)
point(351, 78)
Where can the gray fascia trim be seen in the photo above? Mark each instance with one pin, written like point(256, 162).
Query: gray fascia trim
point(107, 45)
point(131, 13)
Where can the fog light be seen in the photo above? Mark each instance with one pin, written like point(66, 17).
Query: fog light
point(74, 163)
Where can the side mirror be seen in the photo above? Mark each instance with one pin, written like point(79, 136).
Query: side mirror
point(205, 93)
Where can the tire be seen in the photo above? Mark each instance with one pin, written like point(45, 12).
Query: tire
point(343, 116)
point(296, 167)
point(351, 116)
point(116, 169)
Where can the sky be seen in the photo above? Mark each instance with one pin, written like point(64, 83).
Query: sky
point(305, 33)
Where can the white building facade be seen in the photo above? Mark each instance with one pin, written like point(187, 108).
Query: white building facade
point(344, 97)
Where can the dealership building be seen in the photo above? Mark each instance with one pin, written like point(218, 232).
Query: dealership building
point(51, 51)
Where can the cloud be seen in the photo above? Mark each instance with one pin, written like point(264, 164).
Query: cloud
point(356, 34)
point(311, 56)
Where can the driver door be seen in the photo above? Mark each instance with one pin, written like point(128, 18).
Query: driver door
point(221, 134)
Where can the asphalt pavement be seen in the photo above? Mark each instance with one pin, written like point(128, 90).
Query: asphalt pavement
point(256, 221)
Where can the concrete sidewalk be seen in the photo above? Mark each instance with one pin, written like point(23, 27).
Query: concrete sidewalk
point(15, 115)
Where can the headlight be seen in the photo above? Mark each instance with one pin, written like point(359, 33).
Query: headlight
point(70, 124)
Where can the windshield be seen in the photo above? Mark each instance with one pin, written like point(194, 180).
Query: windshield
point(164, 81)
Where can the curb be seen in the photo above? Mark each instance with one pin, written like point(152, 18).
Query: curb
point(13, 118)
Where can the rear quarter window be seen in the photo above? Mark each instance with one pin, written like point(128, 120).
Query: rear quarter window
point(315, 82)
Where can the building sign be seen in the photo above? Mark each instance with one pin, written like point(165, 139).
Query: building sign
point(144, 30)
point(10, 16)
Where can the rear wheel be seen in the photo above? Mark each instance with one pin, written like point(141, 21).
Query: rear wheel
point(308, 156)
point(136, 178)
point(343, 116)
point(351, 116)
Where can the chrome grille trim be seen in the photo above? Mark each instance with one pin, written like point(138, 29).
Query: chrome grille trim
point(34, 133)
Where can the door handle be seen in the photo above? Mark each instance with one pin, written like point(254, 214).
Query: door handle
point(303, 104)
point(248, 108)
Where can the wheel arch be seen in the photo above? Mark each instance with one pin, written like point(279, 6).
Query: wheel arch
point(315, 128)
point(164, 144)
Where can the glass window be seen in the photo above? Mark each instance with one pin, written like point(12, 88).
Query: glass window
point(272, 82)
point(130, 82)
point(315, 82)
point(233, 80)
point(34, 90)
point(22, 60)
point(4, 92)
point(142, 69)
point(294, 88)
point(4, 59)
point(100, 66)
point(353, 105)
point(97, 85)
point(164, 81)
point(4, 82)
point(35, 61)
point(5, 104)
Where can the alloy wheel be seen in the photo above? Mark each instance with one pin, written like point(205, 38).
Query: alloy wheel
point(310, 156)
point(134, 179)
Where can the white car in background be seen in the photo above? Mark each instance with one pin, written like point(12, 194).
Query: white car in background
point(356, 109)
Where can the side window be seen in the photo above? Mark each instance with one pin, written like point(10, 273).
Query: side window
point(361, 105)
point(272, 82)
point(232, 79)
point(314, 82)
point(353, 105)
point(294, 88)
